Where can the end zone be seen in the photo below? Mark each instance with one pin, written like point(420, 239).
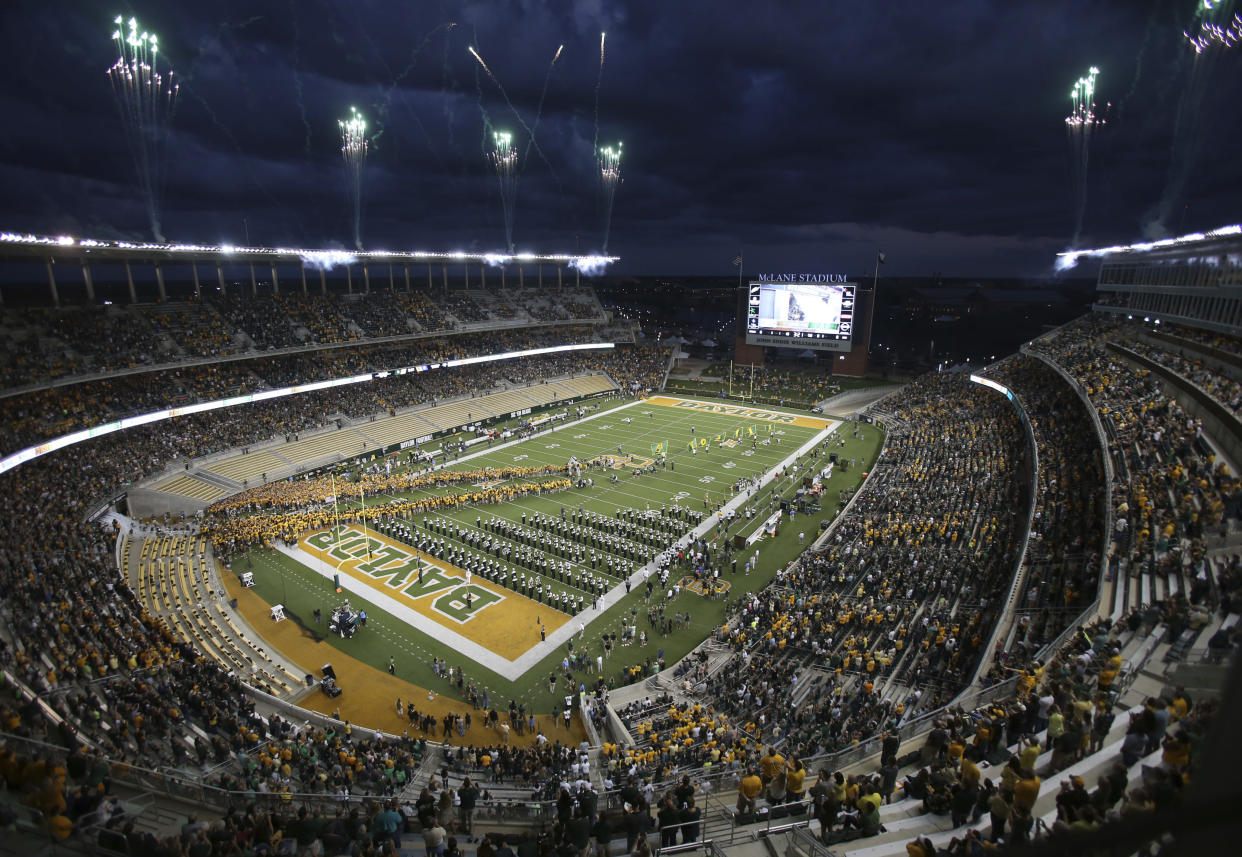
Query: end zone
point(763, 414)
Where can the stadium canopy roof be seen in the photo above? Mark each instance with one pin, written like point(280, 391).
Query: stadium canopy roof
point(1222, 239)
point(42, 246)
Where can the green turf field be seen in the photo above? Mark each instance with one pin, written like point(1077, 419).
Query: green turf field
point(685, 481)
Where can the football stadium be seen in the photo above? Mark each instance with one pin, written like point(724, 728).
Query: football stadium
point(527, 552)
point(461, 553)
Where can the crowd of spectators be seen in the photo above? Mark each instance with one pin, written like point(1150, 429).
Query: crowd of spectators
point(194, 328)
point(260, 318)
point(27, 353)
point(150, 448)
point(580, 304)
point(563, 306)
point(425, 311)
point(461, 306)
point(112, 674)
point(903, 595)
point(46, 343)
point(378, 314)
point(42, 414)
point(43, 344)
point(72, 792)
point(321, 317)
point(1169, 489)
point(1218, 383)
point(1062, 712)
point(106, 336)
point(1067, 530)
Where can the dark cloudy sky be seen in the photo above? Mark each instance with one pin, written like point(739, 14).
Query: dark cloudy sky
point(807, 134)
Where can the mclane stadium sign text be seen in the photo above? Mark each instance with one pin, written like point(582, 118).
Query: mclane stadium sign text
point(804, 278)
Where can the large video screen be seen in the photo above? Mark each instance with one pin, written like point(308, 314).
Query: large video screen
point(815, 316)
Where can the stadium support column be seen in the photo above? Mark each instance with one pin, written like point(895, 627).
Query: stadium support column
point(303, 267)
point(275, 281)
point(502, 276)
point(88, 280)
point(444, 276)
point(159, 282)
point(541, 275)
point(323, 282)
point(406, 268)
point(129, 278)
point(559, 282)
point(349, 280)
point(577, 277)
point(483, 276)
point(219, 279)
point(198, 289)
point(429, 283)
point(254, 283)
point(521, 278)
point(51, 281)
point(465, 270)
point(391, 286)
point(366, 279)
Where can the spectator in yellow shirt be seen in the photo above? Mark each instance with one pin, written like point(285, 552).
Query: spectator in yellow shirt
point(748, 790)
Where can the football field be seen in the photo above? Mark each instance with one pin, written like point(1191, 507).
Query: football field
point(517, 592)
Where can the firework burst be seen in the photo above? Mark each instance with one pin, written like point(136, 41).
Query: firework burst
point(1079, 127)
point(354, 151)
point(1216, 25)
point(1214, 29)
point(504, 159)
point(609, 161)
point(147, 98)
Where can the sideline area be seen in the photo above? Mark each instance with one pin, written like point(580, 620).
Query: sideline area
point(369, 694)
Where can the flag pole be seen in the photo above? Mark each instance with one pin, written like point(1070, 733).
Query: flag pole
point(875, 280)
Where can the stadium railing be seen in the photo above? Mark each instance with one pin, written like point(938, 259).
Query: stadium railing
point(716, 776)
point(584, 711)
point(672, 360)
point(707, 846)
point(1000, 627)
point(823, 537)
point(178, 784)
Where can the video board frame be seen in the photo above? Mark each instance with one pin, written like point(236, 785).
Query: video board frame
point(814, 315)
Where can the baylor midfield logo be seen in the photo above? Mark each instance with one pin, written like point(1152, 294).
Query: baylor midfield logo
point(735, 411)
point(415, 578)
